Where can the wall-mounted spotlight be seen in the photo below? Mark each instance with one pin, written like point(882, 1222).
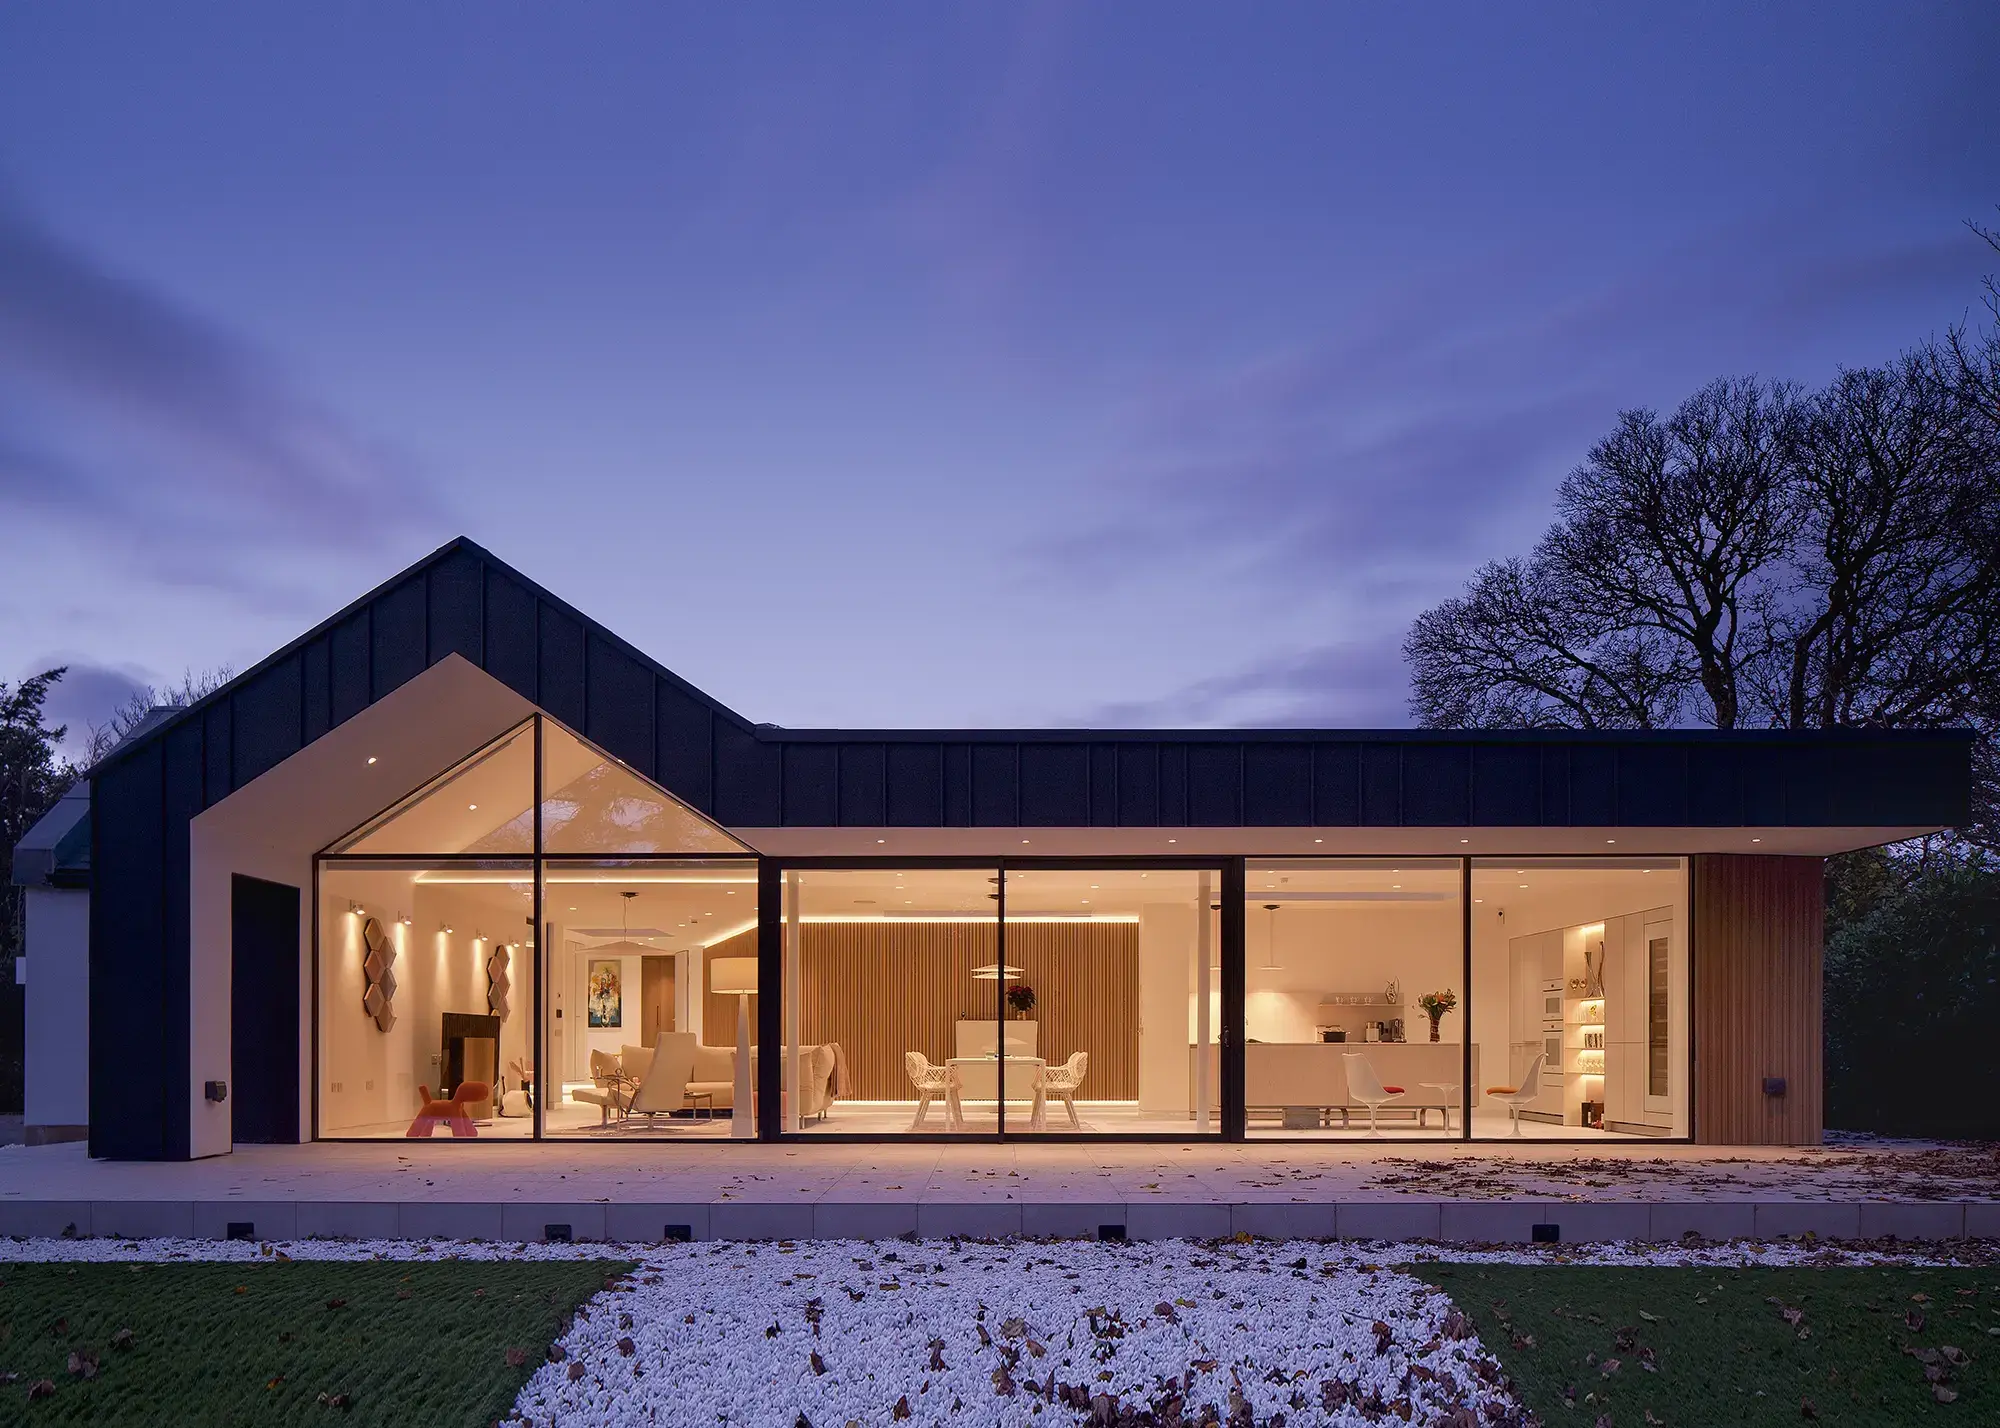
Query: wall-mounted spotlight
point(445, 930)
point(355, 909)
point(405, 918)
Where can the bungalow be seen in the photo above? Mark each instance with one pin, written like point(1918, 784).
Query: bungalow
point(460, 861)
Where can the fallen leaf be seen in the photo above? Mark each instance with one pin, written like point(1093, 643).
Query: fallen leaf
point(1649, 1318)
point(626, 1347)
point(516, 1357)
point(1944, 1394)
point(576, 1370)
point(82, 1364)
point(1808, 1409)
point(123, 1339)
point(41, 1388)
point(902, 1408)
point(1608, 1367)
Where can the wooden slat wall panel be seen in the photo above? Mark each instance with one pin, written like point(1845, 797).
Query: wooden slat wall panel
point(881, 989)
point(1757, 954)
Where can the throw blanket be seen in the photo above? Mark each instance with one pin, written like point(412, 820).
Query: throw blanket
point(840, 1085)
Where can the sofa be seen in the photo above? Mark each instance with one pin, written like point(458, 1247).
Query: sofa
point(715, 1074)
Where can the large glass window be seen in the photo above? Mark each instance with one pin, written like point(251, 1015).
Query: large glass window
point(894, 989)
point(1580, 975)
point(424, 979)
point(428, 953)
point(1106, 1018)
point(1344, 960)
point(639, 1039)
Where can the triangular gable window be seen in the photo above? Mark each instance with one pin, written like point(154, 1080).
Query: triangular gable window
point(483, 804)
point(593, 804)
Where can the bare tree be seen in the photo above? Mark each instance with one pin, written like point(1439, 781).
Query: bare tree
point(132, 713)
point(1761, 557)
point(1638, 606)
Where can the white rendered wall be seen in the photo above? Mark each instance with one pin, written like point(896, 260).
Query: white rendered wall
point(272, 827)
point(58, 1011)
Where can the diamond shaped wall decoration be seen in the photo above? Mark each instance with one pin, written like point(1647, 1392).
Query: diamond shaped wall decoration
point(379, 991)
point(498, 983)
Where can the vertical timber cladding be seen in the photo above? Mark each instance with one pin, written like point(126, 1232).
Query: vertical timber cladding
point(1757, 943)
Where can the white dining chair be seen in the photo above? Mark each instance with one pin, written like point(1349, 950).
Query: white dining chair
point(931, 1083)
point(1524, 1094)
point(1365, 1086)
point(1061, 1083)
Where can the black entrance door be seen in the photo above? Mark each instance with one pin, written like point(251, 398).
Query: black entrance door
point(264, 1012)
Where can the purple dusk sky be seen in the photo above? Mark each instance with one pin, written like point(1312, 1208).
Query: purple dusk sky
point(917, 364)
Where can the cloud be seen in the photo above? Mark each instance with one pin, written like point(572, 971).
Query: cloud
point(126, 414)
point(1349, 684)
point(87, 694)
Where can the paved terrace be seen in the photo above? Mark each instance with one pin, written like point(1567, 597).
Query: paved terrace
point(640, 1192)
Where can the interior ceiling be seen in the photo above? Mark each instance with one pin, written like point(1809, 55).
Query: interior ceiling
point(680, 907)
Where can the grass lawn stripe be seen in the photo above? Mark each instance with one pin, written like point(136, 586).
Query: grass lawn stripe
point(1838, 1346)
point(386, 1342)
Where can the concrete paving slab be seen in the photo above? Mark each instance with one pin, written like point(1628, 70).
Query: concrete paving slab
point(1788, 1219)
point(530, 1223)
point(1177, 1220)
point(1069, 1219)
point(752, 1220)
point(1388, 1219)
point(1715, 1220)
point(1283, 1220)
point(1912, 1222)
point(44, 1218)
point(644, 1224)
point(973, 1219)
point(142, 1219)
point(268, 1219)
point(349, 1219)
point(430, 1219)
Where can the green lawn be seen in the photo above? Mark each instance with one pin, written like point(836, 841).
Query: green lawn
point(282, 1342)
point(1739, 1346)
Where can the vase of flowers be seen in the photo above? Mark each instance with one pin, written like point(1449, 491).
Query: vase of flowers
point(1021, 1001)
point(1435, 1005)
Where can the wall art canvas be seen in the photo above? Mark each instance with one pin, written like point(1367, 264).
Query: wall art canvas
point(606, 994)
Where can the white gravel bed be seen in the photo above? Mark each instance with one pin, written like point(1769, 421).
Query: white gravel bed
point(850, 1332)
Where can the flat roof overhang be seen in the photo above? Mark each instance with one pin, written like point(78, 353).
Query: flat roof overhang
point(1309, 842)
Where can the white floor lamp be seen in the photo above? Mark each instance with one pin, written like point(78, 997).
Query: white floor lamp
point(739, 975)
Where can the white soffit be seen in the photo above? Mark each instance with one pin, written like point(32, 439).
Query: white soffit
point(1305, 842)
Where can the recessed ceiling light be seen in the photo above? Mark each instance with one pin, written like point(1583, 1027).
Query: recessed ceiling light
point(1173, 840)
point(1086, 902)
point(371, 758)
point(1479, 899)
point(1395, 887)
point(1756, 840)
point(572, 909)
point(1024, 842)
point(1319, 840)
point(881, 840)
point(1465, 840)
point(472, 808)
point(1524, 885)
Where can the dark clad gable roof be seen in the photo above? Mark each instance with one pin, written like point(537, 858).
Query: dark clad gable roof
point(462, 600)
